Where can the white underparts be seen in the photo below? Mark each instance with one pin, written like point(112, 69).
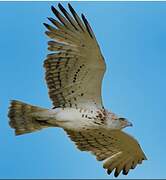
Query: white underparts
point(69, 118)
point(76, 119)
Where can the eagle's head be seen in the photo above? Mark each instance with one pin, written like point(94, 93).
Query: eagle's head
point(115, 122)
point(124, 122)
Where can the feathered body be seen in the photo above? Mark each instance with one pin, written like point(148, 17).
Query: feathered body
point(66, 118)
point(74, 73)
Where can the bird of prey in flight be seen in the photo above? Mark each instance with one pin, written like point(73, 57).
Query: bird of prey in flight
point(74, 73)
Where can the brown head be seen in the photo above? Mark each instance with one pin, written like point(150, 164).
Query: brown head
point(116, 122)
point(124, 122)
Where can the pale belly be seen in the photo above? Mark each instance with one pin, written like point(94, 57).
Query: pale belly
point(74, 119)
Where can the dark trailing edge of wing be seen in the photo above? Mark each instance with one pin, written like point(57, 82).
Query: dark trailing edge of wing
point(70, 22)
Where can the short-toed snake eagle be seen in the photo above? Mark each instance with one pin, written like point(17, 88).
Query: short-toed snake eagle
point(74, 73)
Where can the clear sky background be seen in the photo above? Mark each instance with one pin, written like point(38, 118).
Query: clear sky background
point(132, 37)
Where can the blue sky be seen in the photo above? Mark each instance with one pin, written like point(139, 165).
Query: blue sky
point(132, 37)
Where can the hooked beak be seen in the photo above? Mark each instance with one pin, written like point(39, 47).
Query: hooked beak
point(129, 123)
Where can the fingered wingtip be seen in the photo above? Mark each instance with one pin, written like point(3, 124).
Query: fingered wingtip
point(50, 18)
point(46, 25)
point(60, 5)
point(124, 172)
point(85, 20)
point(54, 10)
point(71, 8)
point(69, 5)
point(82, 15)
point(116, 174)
point(52, 7)
point(62, 8)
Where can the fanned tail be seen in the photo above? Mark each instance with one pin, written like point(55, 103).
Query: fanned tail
point(25, 118)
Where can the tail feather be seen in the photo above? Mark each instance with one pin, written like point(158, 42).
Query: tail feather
point(23, 119)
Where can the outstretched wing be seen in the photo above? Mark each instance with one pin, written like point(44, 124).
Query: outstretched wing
point(119, 150)
point(74, 71)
